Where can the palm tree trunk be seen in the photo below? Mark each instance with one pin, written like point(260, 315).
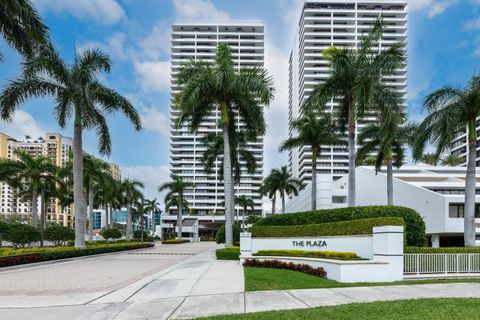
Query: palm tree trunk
point(283, 202)
point(78, 198)
point(243, 218)
point(351, 159)
point(389, 182)
point(179, 217)
point(90, 214)
point(470, 188)
point(314, 179)
point(42, 218)
point(128, 232)
point(274, 203)
point(141, 221)
point(34, 208)
point(227, 185)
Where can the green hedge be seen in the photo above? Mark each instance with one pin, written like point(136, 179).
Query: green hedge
point(309, 254)
point(220, 237)
point(343, 228)
point(414, 224)
point(441, 250)
point(228, 253)
point(175, 241)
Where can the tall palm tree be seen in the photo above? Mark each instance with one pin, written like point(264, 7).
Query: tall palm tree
point(152, 206)
point(269, 188)
point(245, 202)
point(450, 110)
point(79, 94)
point(237, 96)
point(452, 160)
point(287, 184)
point(313, 130)
point(429, 158)
point(176, 188)
point(21, 26)
point(130, 193)
point(355, 82)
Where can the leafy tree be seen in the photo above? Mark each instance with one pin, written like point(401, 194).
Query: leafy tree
point(207, 87)
point(175, 190)
point(245, 202)
point(355, 82)
point(450, 110)
point(131, 193)
point(59, 234)
point(313, 130)
point(21, 235)
point(3, 230)
point(79, 94)
point(111, 233)
point(252, 219)
point(452, 160)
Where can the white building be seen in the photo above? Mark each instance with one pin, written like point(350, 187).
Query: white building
point(199, 41)
point(459, 145)
point(436, 193)
point(340, 23)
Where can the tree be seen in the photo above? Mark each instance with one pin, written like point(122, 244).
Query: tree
point(175, 192)
point(313, 129)
point(450, 110)
point(152, 206)
point(287, 184)
point(78, 93)
point(130, 193)
point(245, 203)
point(269, 188)
point(238, 96)
point(429, 158)
point(452, 160)
point(355, 82)
point(21, 26)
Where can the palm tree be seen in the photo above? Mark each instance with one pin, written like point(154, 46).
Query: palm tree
point(130, 193)
point(176, 188)
point(429, 158)
point(21, 26)
point(269, 188)
point(287, 184)
point(245, 203)
point(450, 110)
point(152, 206)
point(355, 82)
point(78, 93)
point(452, 160)
point(313, 130)
point(237, 96)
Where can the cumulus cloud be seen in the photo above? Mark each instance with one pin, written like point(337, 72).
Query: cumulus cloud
point(22, 124)
point(151, 176)
point(113, 46)
point(156, 121)
point(157, 43)
point(198, 9)
point(101, 11)
point(153, 75)
point(432, 7)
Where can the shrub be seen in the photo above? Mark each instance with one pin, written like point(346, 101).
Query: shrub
point(174, 241)
point(111, 233)
point(310, 254)
point(59, 234)
point(137, 234)
point(441, 250)
point(21, 235)
point(276, 264)
point(352, 227)
point(220, 237)
point(414, 224)
point(228, 253)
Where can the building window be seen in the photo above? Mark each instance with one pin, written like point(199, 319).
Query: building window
point(457, 210)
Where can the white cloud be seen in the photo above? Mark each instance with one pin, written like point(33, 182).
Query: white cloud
point(156, 121)
point(157, 43)
point(21, 125)
point(101, 11)
point(432, 7)
point(153, 75)
point(151, 176)
point(114, 46)
point(198, 9)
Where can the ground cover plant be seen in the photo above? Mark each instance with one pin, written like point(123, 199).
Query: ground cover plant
point(276, 264)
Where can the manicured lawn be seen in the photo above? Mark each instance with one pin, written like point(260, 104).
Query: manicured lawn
point(424, 309)
point(259, 279)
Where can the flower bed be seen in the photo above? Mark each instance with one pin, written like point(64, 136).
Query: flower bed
point(10, 257)
point(276, 264)
point(309, 254)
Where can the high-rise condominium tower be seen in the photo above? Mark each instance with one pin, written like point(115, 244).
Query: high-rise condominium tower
point(340, 23)
point(199, 41)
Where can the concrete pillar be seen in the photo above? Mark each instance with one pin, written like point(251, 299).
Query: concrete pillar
point(388, 247)
point(245, 245)
point(435, 241)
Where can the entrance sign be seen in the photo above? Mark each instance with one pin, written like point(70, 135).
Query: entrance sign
point(309, 243)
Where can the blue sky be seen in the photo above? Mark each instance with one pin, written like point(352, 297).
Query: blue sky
point(443, 47)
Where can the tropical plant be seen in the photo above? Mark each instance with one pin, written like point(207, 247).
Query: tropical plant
point(21, 26)
point(78, 93)
point(130, 194)
point(450, 110)
point(429, 158)
point(269, 188)
point(21, 235)
point(59, 235)
point(252, 219)
point(152, 206)
point(175, 193)
point(207, 87)
point(314, 130)
point(451, 160)
point(355, 82)
point(245, 202)
point(287, 184)
point(111, 233)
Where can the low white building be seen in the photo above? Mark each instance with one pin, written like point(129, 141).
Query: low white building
point(436, 193)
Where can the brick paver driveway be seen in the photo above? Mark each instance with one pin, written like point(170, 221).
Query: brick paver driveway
point(95, 274)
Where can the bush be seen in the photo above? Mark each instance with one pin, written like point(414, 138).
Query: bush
point(310, 254)
point(21, 235)
point(137, 234)
point(220, 237)
point(414, 224)
point(59, 234)
point(228, 253)
point(441, 250)
point(174, 241)
point(111, 233)
point(276, 264)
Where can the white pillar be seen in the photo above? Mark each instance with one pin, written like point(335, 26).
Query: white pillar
point(388, 247)
point(435, 241)
point(245, 245)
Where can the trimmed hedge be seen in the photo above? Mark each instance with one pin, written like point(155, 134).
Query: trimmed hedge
point(414, 224)
point(220, 236)
point(228, 253)
point(441, 250)
point(309, 254)
point(68, 252)
point(174, 241)
point(276, 264)
point(343, 228)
